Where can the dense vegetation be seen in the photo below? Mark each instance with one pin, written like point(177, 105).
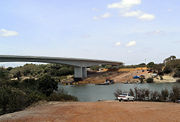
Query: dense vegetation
point(108, 66)
point(173, 67)
point(18, 94)
point(36, 71)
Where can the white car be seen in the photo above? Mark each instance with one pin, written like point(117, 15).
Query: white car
point(125, 97)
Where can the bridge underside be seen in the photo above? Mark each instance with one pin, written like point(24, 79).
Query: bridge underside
point(80, 65)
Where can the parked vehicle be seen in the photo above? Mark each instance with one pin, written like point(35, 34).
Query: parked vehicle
point(125, 97)
point(107, 82)
point(178, 101)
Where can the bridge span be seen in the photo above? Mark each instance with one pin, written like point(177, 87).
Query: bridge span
point(79, 64)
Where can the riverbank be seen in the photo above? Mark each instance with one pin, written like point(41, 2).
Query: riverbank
point(110, 111)
point(124, 76)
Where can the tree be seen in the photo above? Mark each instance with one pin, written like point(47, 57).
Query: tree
point(150, 80)
point(147, 92)
point(3, 73)
point(117, 92)
point(175, 95)
point(142, 64)
point(171, 58)
point(4, 77)
point(131, 92)
point(12, 99)
point(47, 85)
point(168, 69)
point(9, 68)
point(95, 68)
point(158, 67)
point(17, 75)
point(150, 65)
point(164, 94)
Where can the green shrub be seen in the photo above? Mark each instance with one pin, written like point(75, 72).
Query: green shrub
point(4, 76)
point(164, 95)
point(155, 96)
point(178, 80)
point(150, 80)
point(61, 97)
point(47, 85)
point(30, 84)
point(141, 94)
point(167, 70)
point(147, 92)
point(117, 92)
point(131, 92)
point(175, 95)
point(12, 99)
point(150, 64)
point(34, 96)
point(14, 83)
point(177, 73)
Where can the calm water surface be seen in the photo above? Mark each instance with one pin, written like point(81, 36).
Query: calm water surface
point(91, 92)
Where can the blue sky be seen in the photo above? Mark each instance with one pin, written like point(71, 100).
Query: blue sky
point(120, 30)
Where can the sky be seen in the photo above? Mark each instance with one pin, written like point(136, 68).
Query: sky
point(131, 31)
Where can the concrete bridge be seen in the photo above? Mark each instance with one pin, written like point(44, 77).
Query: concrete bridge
point(79, 64)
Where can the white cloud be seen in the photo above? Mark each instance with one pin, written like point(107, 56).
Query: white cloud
point(125, 8)
point(130, 51)
point(131, 43)
point(95, 18)
point(139, 14)
point(148, 17)
point(156, 32)
point(95, 9)
point(125, 4)
point(132, 13)
point(86, 36)
point(169, 10)
point(118, 43)
point(8, 33)
point(106, 15)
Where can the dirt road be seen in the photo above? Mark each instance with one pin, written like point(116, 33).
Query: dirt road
point(112, 111)
point(118, 77)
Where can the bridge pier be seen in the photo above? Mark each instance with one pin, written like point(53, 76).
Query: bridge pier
point(80, 73)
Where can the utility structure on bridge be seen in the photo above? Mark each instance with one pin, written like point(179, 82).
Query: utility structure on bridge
point(79, 64)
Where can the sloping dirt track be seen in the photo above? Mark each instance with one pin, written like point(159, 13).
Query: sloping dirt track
point(112, 111)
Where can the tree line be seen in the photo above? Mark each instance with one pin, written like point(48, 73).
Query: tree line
point(36, 71)
point(164, 95)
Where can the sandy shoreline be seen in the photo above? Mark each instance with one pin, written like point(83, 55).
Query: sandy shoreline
point(127, 76)
point(111, 111)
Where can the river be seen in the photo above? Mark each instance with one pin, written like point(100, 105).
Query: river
point(91, 92)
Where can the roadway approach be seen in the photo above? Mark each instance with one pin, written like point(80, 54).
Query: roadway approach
point(80, 65)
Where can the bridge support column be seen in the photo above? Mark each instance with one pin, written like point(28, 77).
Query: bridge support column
point(80, 73)
point(84, 71)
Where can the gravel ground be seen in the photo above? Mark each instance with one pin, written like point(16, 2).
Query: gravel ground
point(109, 111)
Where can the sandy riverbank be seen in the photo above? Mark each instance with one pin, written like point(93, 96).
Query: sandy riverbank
point(125, 76)
point(112, 111)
